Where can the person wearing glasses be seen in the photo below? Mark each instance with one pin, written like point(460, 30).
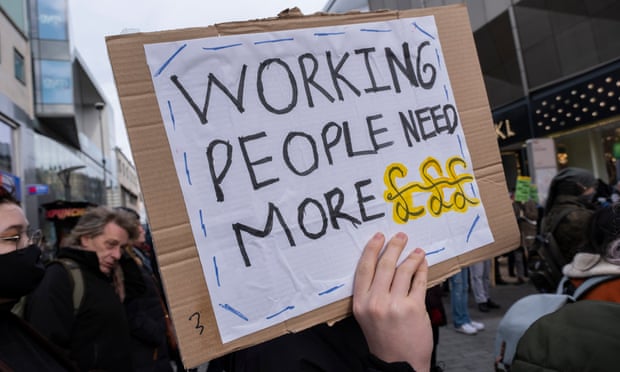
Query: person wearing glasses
point(21, 347)
point(94, 332)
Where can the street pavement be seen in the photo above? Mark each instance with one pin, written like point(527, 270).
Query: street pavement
point(458, 352)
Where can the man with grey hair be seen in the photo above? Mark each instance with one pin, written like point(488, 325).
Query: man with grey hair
point(78, 303)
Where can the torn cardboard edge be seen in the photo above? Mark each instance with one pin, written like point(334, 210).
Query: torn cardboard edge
point(180, 266)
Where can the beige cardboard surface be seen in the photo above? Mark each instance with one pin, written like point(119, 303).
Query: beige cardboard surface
point(180, 266)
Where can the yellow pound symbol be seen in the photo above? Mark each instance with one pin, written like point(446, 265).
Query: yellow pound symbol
point(435, 182)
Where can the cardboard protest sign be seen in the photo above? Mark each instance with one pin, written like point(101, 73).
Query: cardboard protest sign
point(269, 152)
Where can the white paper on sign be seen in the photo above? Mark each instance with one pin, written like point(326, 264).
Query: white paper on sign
point(293, 148)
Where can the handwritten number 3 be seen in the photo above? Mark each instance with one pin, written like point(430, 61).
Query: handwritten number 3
point(198, 325)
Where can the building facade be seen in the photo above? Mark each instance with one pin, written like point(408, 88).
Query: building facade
point(16, 100)
point(56, 144)
point(126, 192)
point(552, 70)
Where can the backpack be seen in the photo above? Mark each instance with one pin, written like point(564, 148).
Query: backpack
point(523, 313)
point(545, 260)
point(77, 283)
point(583, 336)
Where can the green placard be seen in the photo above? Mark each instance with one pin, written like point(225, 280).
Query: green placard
point(534, 192)
point(522, 192)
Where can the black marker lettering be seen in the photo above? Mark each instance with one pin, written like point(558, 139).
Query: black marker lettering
point(202, 114)
point(335, 75)
point(287, 159)
point(250, 165)
point(371, 75)
point(301, 214)
point(309, 79)
point(239, 227)
point(218, 178)
point(260, 87)
point(335, 200)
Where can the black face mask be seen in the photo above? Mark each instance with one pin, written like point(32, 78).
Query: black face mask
point(587, 199)
point(20, 272)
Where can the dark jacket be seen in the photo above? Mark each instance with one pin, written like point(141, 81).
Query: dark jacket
point(97, 337)
point(571, 232)
point(147, 322)
point(23, 349)
point(341, 347)
point(582, 336)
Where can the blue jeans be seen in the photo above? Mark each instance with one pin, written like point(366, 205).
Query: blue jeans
point(459, 297)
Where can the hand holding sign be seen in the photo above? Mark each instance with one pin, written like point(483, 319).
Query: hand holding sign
point(388, 302)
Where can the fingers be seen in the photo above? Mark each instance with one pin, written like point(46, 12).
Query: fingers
point(387, 262)
point(365, 272)
point(420, 281)
point(411, 274)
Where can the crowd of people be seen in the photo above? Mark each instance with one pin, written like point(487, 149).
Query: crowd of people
point(99, 305)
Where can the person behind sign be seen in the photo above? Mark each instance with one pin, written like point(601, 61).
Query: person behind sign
point(21, 347)
point(390, 330)
point(584, 335)
point(145, 309)
point(459, 297)
point(568, 209)
point(94, 329)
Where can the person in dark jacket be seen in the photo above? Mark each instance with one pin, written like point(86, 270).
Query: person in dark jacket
point(584, 335)
point(95, 331)
point(21, 347)
point(390, 330)
point(145, 309)
point(569, 207)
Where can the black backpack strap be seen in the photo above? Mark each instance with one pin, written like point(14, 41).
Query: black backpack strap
point(554, 253)
point(562, 214)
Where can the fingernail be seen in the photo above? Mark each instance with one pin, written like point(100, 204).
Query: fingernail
point(401, 235)
point(377, 236)
point(419, 251)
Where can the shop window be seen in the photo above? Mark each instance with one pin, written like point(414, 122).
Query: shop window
point(6, 147)
point(20, 68)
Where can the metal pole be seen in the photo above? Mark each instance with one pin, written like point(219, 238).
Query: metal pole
point(99, 107)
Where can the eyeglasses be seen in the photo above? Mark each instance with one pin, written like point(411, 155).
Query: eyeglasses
point(32, 236)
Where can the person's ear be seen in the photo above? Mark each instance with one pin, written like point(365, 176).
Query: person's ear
point(85, 241)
